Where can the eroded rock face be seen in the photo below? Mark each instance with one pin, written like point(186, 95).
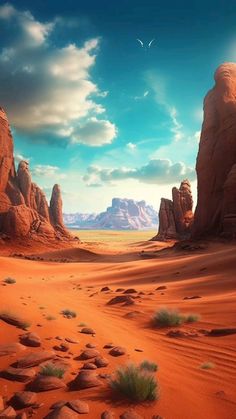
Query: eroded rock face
point(216, 171)
point(24, 210)
point(176, 216)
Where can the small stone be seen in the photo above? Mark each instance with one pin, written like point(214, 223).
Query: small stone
point(78, 406)
point(70, 340)
point(62, 413)
point(117, 351)
point(89, 366)
point(18, 374)
point(25, 399)
point(30, 339)
point(107, 415)
point(101, 362)
point(8, 413)
point(46, 383)
point(130, 414)
point(89, 354)
point(91, 345)
point(126, 299)
point(35, 358)
point(105, 289)
point(58, 404)
point(88, 331)
point(85, 379)
point(161, 288)
point(130, 291)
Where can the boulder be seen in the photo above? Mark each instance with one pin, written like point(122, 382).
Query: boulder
point(8, 413)
point(35, 358)
point(63, 412)
point(30, 339)
point(130, 414)
point(78, 406)
point(85, 379)
point(24, 399)
point(117, 351)
point(215, 213)
point(46, 383)
point(89, 354)
point(11, 348)
point(19, 374)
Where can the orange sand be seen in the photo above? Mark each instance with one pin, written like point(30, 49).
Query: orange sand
point(187, 392)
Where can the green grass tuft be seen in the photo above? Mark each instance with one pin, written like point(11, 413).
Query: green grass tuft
point(135, 384)
point(49, 317)
point(148, 366)
point(172, 318)
point(52, 371)
point(68, 313)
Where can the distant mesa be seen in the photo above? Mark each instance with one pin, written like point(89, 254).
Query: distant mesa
point(123, 214)
point(216, 161)
point(176, 215)
point(24, 211)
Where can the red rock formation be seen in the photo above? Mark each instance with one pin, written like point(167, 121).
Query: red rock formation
point(176, 216)
point(24, 211)
point(216, 206)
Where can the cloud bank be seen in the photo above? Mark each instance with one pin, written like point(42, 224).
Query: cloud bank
point(49, 89)
point(156, 171)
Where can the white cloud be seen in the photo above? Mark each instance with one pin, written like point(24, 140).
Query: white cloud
point(48, 171)
point(145, 94)
point(19, 157)
point(131, 146)
point(156, 171)
point(95, 132)
point(51, 88)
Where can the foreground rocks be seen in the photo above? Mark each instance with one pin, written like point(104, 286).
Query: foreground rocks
point(35, 358)
point(215, 214)
point(176, 215)
point(24, 211)
point(85, 379)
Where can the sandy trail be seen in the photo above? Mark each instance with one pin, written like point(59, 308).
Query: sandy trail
point(187, 391)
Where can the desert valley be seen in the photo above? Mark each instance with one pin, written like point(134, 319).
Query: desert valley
point(162, 306)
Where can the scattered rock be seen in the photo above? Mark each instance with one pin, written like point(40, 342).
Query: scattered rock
point(126, 299)
point(13, 320)
point(107, 415)
point(35, 358)
point(117, 351)
point(130, 414)
point(85, 379)
point(105, 289)
point(91, 345)
point(62, 413)
point(70, 340)
point(132, 314)
point(89, 354)
point(120, 289)
point(30, 339)
point(11, 348)
point(58, 404)
point(101, 362)
point(9, 412)
point(108, 346)
point(78, 406)
point(24, 399)
point(181, 334)
point(161, 288)
point(19, 374)
point(192, 298)
point(222, 332)
point(63, 347)
point(89, 366)
point(46, 383)
point(130, 291)
point(88, 331)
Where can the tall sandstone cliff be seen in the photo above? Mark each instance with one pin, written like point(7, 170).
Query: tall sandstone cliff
point(216, 161)
point(24, 212)
point(176, 216)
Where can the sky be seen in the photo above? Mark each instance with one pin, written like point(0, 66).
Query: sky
point(92, 109)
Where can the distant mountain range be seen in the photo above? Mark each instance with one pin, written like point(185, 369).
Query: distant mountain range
point(123, 214)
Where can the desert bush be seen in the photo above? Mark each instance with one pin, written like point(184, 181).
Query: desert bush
point(68, 313)
point(148, 366)
point(207, 365)
point(9, 280)
point(191, 318)
point(170, 318)
point(166, 318)
point(52, 371)
point(135, 384)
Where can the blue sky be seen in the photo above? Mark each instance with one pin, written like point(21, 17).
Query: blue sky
point(93, 110)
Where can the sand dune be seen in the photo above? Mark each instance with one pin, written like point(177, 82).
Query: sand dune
point(44, 288)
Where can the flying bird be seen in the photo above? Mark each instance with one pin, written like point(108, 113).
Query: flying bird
point(142, 43)
point(150, 43)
